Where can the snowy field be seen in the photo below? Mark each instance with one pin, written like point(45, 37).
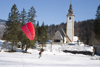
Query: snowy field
point(49, 59)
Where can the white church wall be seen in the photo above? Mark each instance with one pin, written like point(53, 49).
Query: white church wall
point(69, 25)
point(75, 38)
point(64, 39)
point(69, 33)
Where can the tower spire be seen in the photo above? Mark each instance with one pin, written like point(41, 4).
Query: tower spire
point(70, 9)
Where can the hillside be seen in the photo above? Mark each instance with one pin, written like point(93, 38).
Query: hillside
point(2, 22)
point(83, 29)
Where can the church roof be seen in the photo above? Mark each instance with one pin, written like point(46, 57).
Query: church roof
point(60, 34)
point(63, 33)
point(57, 36)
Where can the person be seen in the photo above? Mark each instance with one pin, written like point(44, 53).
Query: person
point(40, 53)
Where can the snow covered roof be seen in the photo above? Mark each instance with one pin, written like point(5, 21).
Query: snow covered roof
point(60, 34)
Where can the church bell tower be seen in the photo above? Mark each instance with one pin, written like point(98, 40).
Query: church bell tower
point(70, 24)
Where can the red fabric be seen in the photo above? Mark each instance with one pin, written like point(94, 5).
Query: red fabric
point(40, 52)
point(29, 30)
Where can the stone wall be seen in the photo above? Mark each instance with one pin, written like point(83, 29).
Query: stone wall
point(97, 50)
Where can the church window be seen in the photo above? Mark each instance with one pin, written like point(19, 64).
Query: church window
point(69, 18)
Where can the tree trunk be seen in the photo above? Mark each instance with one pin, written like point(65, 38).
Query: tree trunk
point(26, 48)
point(12, 45)
point(22, 46)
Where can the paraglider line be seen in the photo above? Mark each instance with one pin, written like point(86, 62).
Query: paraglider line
point(29, 31)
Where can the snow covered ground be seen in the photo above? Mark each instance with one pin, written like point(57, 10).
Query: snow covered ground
point(18, 59)
point(49, 59)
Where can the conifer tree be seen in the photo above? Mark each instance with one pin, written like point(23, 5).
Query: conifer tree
point(12, 26)
point(97, 24)
point(23, 16)
point(22, 37)
point(37, 31)
point(31, 16)
point(43, 34)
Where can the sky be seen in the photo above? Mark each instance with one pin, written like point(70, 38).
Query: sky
point(52, 11)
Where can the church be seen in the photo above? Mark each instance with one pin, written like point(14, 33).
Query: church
point(68, 37)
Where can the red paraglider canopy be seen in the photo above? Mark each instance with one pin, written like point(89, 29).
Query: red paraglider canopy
point(29, 30)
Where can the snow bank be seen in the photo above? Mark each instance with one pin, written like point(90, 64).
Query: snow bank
point(77, 48)
point(60, 48)
point(52, 49)
point(5, 46)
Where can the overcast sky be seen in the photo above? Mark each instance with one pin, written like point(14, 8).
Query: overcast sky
point(52, 11)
